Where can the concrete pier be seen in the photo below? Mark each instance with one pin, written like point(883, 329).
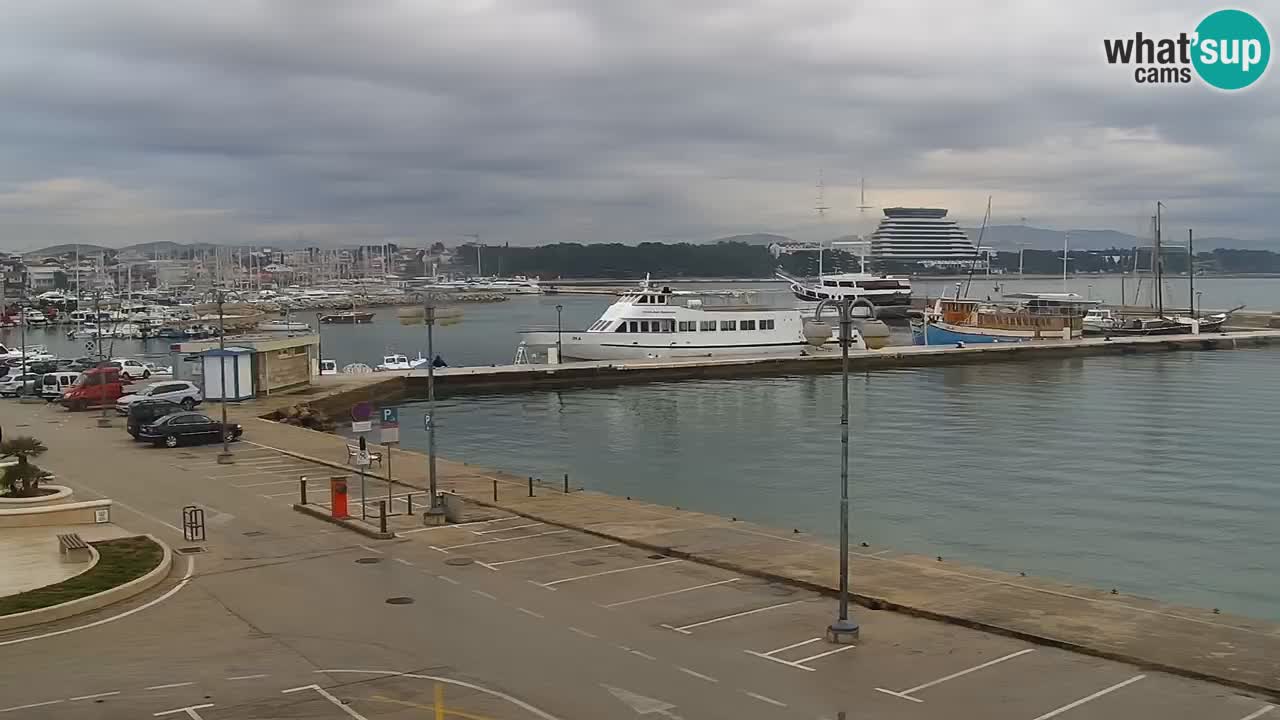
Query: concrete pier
point(1236, 651)
point(336, 393)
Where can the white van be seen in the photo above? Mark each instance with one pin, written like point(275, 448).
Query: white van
point(53, 384)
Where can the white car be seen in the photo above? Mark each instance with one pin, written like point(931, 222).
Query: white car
point(184, 393)
point(14, 385)
point(132, 369)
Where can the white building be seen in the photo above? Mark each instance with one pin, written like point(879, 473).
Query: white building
point(41, 278)
point(920, 235)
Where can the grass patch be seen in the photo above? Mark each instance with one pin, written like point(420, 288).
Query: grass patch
point(119, 562)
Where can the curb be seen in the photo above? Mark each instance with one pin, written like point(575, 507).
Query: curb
point(348, 524)
point(872, 602)
point(96, 601)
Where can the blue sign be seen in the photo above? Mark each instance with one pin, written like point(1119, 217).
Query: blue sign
point(390, 416)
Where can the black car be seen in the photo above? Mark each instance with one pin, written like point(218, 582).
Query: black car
point(144, 411)
point(186, 427)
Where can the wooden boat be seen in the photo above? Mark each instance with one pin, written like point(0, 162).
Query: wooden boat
point(347, 317)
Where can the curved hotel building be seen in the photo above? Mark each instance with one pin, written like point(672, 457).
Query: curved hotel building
point(924, 238)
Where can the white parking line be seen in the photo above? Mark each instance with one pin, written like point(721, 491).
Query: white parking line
point(190, 710)
point(765, 698)
point(170, 685)
point(593, 636)
point(686, 628)
point(531, 613)
point(335, 701)
point(668, 594)
point(906, 694)
point(484, 594)
point(32, 705)
point(448, 579)
point(1261, 711)
point(317, 486)
point(450, 527)
point(502, 540)
point(372, 550)
point(246, 677)
point(793, 645)
point(551, 555)
point(696, 674)
point(608, 572)
point(1095, 696)
point(505, 529)
point(402, 561)
point(842, 648)
point(780, 661)
point(95, 696)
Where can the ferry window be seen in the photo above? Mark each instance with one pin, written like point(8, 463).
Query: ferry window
point(829, 283)
point(622, 327)
point(635, 326)
point(766, 324)
point(846, 283)
point(686, 326)
point(728, 324)
point(708, 326)
point(748, 325)
point(661, 299)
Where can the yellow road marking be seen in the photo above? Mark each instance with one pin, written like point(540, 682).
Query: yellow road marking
point(440, 712)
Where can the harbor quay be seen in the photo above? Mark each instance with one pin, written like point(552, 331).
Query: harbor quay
point(1196, 643)
point(335, 394)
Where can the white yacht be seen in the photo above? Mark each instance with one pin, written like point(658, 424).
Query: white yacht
point(659, 323)
point(891, 295)
point(283, 326)
point(396, 361)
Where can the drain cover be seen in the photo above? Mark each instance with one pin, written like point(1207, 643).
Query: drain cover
point(400, 601)
point(190, 550)
point(459, 561)
point(255, 533)
point(587, 562)
point(657, 557)
point(368, 561)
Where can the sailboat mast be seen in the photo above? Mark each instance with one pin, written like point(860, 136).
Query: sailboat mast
point(1158, 266)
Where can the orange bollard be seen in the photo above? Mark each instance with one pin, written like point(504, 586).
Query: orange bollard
point(338, 495)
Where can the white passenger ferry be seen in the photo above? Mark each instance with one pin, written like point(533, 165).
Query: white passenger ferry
point(660, 323)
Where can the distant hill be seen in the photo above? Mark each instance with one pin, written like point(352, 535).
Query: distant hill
point(765, 239)
point(55, 250)
point(1012, 237)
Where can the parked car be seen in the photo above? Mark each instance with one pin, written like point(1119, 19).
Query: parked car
point(146, 411)
point(53, 384)
point(15, 385)
point(99, 386)
point(131, 369)
point(186, 428)
point(181, 392)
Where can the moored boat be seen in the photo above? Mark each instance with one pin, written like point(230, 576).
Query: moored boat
point(1035, 316)
point(890, 295)
point(347, 317)
point(659, 323)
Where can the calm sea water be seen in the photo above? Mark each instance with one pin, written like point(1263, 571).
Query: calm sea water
point(1147, 473)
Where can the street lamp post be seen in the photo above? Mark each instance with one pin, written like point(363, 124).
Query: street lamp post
point(844, 629)
point(319, 347)
point(435, 513)
point(103, 419)
point(559, 346)
point(219, 296)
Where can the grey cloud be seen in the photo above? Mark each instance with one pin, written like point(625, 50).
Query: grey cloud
point(542, 120)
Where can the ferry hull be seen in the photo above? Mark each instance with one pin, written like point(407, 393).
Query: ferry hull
point(582, 346)
point(940, 333)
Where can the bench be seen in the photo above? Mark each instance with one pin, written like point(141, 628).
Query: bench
point(73, 548)
point(353, 451)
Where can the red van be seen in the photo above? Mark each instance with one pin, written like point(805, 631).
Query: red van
point(94, 388)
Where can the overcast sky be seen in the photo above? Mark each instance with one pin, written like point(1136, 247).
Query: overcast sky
point(533, 121)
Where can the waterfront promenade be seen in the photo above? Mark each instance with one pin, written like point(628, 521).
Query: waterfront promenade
point(1195, 642)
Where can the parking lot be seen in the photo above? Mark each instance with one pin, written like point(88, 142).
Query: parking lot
point(906, 666)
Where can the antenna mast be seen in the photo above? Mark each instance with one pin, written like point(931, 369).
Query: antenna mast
point(822, 207)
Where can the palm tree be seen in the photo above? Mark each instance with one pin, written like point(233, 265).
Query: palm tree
point(22, 479)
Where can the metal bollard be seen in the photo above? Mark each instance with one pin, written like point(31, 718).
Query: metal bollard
point(530, 486)
point(495, 491)
point(302, 489)
point(408, 500)
point(382, 516)
point(566, 483)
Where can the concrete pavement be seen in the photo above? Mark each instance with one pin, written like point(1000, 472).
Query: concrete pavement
point(506, 618)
